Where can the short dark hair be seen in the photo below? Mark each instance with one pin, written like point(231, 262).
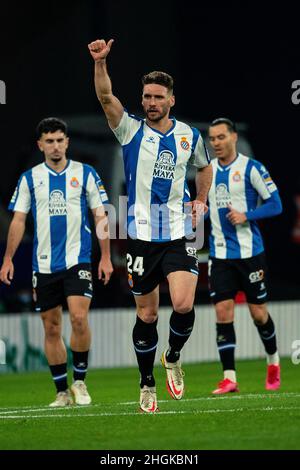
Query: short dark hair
point(51, 124)
point(160, 78)
point(230, 124)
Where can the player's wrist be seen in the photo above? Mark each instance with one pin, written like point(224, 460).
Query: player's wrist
point(100, 62)
point(105, 256)
point(201, 199)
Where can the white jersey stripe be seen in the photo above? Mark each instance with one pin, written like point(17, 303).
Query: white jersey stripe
point(219, 242)
point(43, 223)
point(74, 219)
point(237, 190)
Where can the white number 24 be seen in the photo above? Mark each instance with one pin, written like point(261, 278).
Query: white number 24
point(137, 265)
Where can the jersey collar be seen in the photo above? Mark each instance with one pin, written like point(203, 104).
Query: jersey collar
point(227, 167)
point(55, 173)
point(161, 134)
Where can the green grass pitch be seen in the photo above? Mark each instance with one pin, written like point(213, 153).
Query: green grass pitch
point(251, 419)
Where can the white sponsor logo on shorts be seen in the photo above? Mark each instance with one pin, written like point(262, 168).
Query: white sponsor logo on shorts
point(256, 276)
point(191, 251)
point(85, 275)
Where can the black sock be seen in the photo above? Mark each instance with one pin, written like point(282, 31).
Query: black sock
point(80, 364)
point(267, 335)
point(59, 375)
point(226, 343)
point(145, 340)
point(181, 327)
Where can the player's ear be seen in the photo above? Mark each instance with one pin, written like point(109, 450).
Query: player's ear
point(40, 145)
point(172, 101)
point(67, 142)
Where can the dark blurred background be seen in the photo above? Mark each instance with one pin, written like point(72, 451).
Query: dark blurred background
point(238, 62)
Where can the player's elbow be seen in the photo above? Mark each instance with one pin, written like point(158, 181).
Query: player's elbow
point(275, 209)
point(275, 205)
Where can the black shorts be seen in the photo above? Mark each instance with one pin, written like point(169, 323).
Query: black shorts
point(149, 263)
point(51, 290)
point(228, 276)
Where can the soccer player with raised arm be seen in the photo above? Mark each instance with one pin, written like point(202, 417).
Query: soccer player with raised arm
point(59, 192)
point(242, 192)
point(156, 151)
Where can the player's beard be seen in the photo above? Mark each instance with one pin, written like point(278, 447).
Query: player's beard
point(158, 117)
point(56, 158)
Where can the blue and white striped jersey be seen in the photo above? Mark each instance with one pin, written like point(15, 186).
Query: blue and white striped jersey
point(244, 184)
point(155, 169)
point(59, 203)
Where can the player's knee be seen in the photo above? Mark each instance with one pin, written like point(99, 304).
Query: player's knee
point(259, 314)
point(79, 320)
point(147, 314)
point(52, 331)
point(224, 313)
point(183, 304)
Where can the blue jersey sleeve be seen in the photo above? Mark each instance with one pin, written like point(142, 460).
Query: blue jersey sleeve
point(269, 208)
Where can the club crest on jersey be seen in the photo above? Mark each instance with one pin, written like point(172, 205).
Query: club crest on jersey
point(184, 143)
point(165, 165)
point(57, 203)
point(222, 196)
point(236, 176)
point(74, 182)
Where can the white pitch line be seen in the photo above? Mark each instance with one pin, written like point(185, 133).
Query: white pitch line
point(227, 397)
point(172, 412)
point(45, 408)
point(29, 409)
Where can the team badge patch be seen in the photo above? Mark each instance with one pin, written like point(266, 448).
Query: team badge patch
point(237, 177)
point(184, 143)
point(74, 182)
point(130, 280)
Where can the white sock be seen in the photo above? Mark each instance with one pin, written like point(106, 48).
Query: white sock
point(273, 359)
point(230, 374)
